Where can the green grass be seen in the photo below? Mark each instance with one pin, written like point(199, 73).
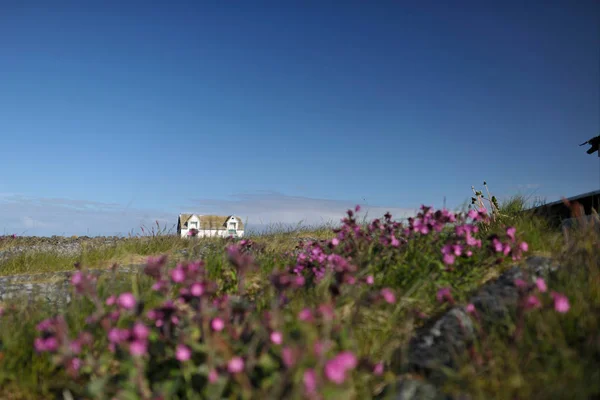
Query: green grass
point(557, 356)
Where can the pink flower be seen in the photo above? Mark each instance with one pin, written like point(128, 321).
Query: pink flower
point(49, 344)
point(524, 246)
point(299, 281)
point(310, 381)
point(561, 303)
point(217, 324)
point(510, 232)
point(357, 208)
point(321, 346)
point(116, 335)
point(140, 331)
point(138, 347)
point(305, 315)
point(449, 259)
point(395, 242)
point(497, 245)
point(127, 301)
point(388, 295)
point(378, 369)
point(178, 275)
point(471, 309)
point(77, 278)
point(213, 376)
point(197, 289)
point(75, 364)
point(276, 337)
point(335, 369)
point(235, 365)
point(111, 300)
point(520, 283)
point(370, 280)
point(335, 241)
point(289, 357)
point(541, 285)
point(444, 295)
point(326, 311)
point(532, 302)
point(183, 353)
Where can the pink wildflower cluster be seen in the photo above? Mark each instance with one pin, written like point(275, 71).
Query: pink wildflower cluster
point(512, 247)
point(187, 318)
point(54, 339)
point(190, 312)
point(530, 295)
point(428, 220)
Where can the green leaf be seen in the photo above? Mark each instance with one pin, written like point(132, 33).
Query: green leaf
point(96, 387)
point(267, 363)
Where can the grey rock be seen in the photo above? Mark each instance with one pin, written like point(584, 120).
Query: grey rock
point(54, 287)
point(412, 389)
point(438, 343)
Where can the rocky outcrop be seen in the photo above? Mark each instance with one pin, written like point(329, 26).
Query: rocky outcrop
point(62, 246)
point(436, 345)
point(53, 287)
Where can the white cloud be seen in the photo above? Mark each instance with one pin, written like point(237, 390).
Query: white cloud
point(54, 216)
point(51, 216)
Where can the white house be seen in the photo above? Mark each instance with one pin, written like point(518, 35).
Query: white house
point(210, 225)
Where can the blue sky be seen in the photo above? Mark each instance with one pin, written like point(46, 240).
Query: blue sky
point(115, 114)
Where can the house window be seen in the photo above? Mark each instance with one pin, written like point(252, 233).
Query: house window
point(232, 225)
point(194, 224)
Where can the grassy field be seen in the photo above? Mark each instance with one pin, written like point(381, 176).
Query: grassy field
point(265, 319)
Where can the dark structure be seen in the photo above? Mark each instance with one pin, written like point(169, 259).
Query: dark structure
point(558, 211)
point(595, 143)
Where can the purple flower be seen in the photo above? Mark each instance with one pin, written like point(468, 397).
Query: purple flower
point(213, 376)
